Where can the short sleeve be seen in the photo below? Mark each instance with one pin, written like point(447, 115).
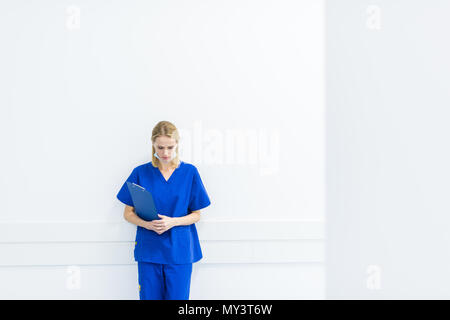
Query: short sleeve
point(124, 194)
point(199, 198)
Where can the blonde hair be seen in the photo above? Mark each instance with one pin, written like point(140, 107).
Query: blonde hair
point(168, 129)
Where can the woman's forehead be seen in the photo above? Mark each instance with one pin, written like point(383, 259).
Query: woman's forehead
point(165, 141)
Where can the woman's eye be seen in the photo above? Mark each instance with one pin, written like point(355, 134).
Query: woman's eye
point(160, 148)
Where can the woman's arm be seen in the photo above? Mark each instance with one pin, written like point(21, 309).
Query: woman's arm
point(189, 219)
point(162, 225)
point(131, 216)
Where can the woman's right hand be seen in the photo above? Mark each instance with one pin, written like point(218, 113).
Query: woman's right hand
point(150, 225)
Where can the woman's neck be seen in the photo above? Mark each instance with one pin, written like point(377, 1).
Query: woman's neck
point(166, 167)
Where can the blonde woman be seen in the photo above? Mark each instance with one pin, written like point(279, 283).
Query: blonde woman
point(165, 249)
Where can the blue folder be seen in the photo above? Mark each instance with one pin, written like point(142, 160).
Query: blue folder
point(144, 205)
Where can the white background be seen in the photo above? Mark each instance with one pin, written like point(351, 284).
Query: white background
point(388, 97)
point(83, 83)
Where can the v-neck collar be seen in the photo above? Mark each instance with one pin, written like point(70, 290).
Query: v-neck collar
point(171, 175)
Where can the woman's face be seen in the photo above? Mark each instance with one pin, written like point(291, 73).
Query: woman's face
point(165, 148)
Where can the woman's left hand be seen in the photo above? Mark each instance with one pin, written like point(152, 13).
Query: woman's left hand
point(164, 224)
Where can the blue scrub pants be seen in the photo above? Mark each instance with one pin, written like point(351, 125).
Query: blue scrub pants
point(164, 281)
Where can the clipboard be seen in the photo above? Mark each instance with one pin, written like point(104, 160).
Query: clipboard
point(144, 206)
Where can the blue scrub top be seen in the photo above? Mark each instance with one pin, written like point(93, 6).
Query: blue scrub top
point(183, 193)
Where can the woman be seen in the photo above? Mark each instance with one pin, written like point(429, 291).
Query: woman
point(165, 249)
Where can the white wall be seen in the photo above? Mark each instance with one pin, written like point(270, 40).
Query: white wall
point(387, 149)
point(281, 260)
point(83, 85)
